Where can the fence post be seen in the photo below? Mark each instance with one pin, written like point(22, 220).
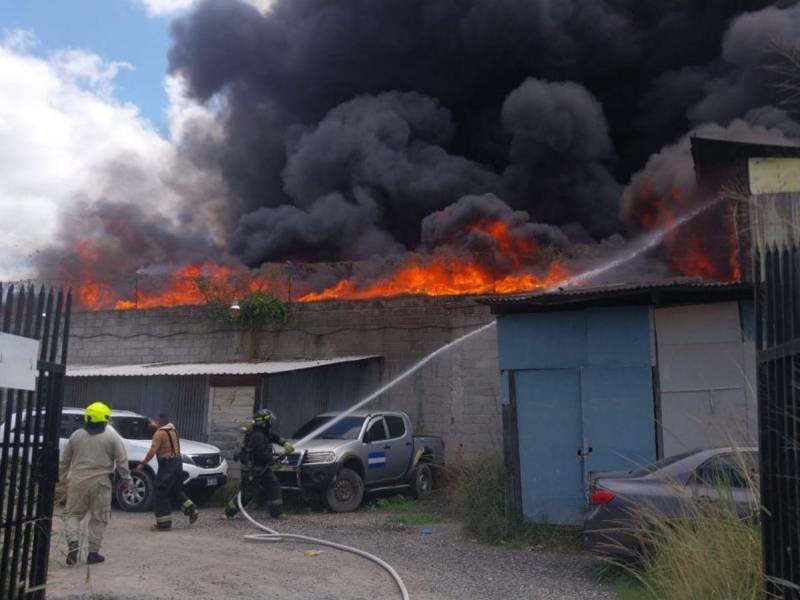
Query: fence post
point(775, 239)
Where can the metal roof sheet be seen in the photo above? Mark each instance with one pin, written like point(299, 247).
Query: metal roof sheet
point(231, 368)
point(555, 295)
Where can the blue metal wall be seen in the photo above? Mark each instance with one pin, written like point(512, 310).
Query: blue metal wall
point(583, 389)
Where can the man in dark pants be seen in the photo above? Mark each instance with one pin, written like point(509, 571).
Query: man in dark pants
point(169, 480)
point(258, 480)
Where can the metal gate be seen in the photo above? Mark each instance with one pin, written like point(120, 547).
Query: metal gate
point(30, 432)
point(778, 338)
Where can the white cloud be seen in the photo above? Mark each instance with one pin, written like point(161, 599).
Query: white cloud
point(171, 7)
point(85, 69)
point(19, 40)
point(60, 128)
point(166, 7)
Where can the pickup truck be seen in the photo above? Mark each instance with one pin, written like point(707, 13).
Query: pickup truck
point(204, 469)
point(364, 452)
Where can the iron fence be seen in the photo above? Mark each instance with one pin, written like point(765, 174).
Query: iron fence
point(29, 458)
point(777, 279)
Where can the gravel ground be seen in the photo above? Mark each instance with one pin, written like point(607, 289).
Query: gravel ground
point(210, 560)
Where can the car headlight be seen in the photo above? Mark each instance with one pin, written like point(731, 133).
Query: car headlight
point(319, 458)
point(187, 459)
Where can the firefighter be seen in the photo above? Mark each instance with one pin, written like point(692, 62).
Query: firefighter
point(88, 461)
point(166, 446)
point(256, 456)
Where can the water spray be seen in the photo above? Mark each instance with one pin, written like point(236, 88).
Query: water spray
point(410, 371)
point(642, 245)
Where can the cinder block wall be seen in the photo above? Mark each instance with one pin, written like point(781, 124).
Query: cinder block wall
point(456, 395)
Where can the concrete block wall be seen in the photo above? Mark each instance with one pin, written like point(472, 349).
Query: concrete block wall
point(230, 408)
point(456, 395)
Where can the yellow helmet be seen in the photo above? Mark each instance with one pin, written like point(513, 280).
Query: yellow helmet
point(97, 412)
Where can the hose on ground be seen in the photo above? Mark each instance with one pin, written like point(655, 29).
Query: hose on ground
point(274, 536)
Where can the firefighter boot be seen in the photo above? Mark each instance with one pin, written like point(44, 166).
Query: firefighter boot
point(72, 554)
point(93, 558)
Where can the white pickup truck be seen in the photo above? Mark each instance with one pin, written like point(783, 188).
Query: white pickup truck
point(365, 451)
point(204, 468)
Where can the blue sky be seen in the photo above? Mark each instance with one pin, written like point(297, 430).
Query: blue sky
point(116, 30)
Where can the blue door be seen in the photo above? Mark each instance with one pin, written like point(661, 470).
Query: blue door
point(549, 423)
point(618, 431)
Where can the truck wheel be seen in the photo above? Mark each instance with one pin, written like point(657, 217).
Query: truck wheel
point(141, 498)
point(345, 492)
point(422, 484)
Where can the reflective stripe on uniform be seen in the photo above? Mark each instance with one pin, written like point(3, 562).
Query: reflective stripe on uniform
point(164, 519)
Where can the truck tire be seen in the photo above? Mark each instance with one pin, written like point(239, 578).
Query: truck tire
point(142, 499)
point(422, 482)
point(345, 492)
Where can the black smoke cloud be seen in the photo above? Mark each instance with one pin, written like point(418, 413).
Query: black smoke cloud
point(454, 226)
point(348, 123)
point(560, 155)
point(114, 229)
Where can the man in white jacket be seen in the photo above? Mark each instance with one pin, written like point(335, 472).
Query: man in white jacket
point(90, 458)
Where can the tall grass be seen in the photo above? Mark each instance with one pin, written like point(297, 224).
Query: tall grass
point(710, 552)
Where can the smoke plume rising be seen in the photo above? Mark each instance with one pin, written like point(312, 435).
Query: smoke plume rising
point(377, 130)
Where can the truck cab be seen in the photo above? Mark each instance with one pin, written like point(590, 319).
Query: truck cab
point(359, 453)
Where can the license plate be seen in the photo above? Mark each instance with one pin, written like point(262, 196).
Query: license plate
point(211, 481)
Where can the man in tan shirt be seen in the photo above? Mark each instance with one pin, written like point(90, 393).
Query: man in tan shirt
point(166, 446)
point(90, 457)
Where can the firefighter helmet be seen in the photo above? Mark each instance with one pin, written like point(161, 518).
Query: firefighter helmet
point(263, 417)
point(97, 412)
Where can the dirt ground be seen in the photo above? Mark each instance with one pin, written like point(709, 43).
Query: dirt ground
point(211, 560)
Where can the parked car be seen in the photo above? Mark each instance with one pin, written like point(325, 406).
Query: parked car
point(364, 452)
point(618, 500)
point(204, 468)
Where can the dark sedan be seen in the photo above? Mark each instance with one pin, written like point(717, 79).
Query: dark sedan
point(662, 489)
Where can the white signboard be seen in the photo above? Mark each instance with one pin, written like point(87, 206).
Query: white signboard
point(774, 175)
point(18, 361)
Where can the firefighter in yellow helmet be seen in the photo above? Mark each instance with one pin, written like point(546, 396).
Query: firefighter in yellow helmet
point(88, 461)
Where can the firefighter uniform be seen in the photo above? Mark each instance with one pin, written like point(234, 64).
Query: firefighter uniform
point(169, 480)
point(91, 456)
point(257, 458)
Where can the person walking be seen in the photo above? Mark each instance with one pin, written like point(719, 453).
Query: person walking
point(257, 458)
point(166, 447)
point(91, 456)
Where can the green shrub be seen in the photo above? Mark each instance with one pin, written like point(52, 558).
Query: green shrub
point(479, 490)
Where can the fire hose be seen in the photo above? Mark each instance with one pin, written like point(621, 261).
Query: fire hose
point(274, 536)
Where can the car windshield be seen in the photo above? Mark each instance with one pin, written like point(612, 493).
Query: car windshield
point(346, 429)
point(664, 462)
point(132, 428)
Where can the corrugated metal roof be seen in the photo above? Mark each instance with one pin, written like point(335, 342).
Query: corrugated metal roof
point(616, 289)
point(232, 368)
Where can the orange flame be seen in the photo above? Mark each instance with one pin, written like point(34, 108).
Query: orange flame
point(449, 274)
point(438, 276)
point(443, 273)
point(183, 290)
point(691, 251)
